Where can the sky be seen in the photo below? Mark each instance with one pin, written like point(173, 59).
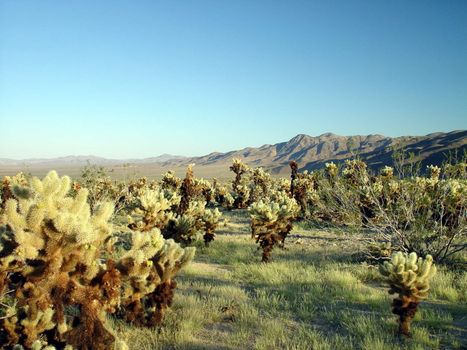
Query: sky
point(135, 78)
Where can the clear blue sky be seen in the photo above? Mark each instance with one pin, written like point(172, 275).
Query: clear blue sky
point(140, 78)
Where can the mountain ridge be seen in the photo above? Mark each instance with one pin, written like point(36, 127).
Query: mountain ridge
point(310, 152)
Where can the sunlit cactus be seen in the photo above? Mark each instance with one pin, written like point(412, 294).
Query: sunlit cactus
point(355, 172)
point(187, 190)
point(434, 171)
point(293, 175)
point(331, 170)
point(240, 185)
point(387, 172)
point(260, 185)
point(211, 222)
point(409, 278)
point(271, 221)
point(54, 255)
point(170, 181)
point(204, 190)
point(148, 270)
point(153, 208)
point(53, 242)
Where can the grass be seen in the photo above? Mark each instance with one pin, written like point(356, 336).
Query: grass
point(313, 295)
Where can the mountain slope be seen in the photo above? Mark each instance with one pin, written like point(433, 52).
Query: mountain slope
point(313, 152)
point(310, 152)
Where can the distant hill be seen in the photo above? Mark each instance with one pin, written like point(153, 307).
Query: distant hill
point(310, 152)
point(84, 160)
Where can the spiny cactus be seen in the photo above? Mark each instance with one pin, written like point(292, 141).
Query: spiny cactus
point(153, 208)
point(170, 181)
point(293, 175)
point(434, 171)
point(50, 250)
point(331, 171)
point(271, 221)
point(355, 172)
point(53, 255)
point(185, 228)
point(240, 184)
point(204, 190)
point(409, 278)
point(148, 270)
point(187, 190)
point(387, 172)
point(210, 221)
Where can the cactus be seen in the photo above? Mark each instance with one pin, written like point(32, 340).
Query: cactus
point(53, 254)
point(240, 185)
point(170, 181)
point(187, 191)
point(331, 171)
point(204, 190)
point(293, 175)
point(409, 278)
point(260, 185)
point(210, 221)
point(303, 189)
point(271, 221)
point(50, 244)
point(148, 270)
point(153, 208)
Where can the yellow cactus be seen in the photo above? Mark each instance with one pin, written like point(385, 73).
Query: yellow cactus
point(408, 277)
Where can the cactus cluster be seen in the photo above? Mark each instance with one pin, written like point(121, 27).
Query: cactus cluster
point(53, 260)
point(409, 277)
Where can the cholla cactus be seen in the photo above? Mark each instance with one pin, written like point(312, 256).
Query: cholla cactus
point(379, 250)
point(303, 189)
point(271, 221)
point(153, 208)
point(185, 228)
point(240, 185)
point(434, 171)
point(331, 170)
point(409, 278)
point(387, 172)
point(148, 270)
point(204, 190)
point(293, 176)
point(210, 221)
point(6, 191)
point(222, 195)
point(52, 242)
point(355, 172)
point(52, 253)
point(170, 181)
point(187, 190)
point(261, 185)
point(282, 185)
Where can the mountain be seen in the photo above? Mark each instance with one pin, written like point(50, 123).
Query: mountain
point(84, 160)
point(310, 152)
